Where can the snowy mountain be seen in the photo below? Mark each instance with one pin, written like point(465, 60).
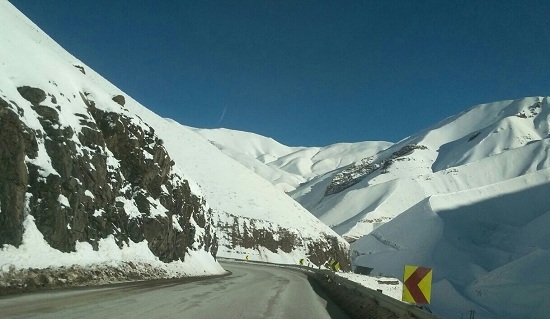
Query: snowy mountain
point(472, 204)
point(83, 179)
point(287, 167)
point(466, 197)
point(89, 175)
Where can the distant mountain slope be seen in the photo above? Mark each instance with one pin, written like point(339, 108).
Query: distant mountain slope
point(103, 166)
point(467, 197)
point(487, 144)
point(287, 167)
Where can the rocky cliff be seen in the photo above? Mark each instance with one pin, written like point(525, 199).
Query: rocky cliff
point(110, 176)
point(259, 239)
point(86, 166)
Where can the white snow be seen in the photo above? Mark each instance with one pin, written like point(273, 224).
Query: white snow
point(263, 254)
point(30, 58)
point(487, 166)
point(176, 223)
point(391, 287)
point(487, 244)
point(43, 161)
point(130, 207)
point(34, 252)
point(156, 208)
point(63, 200)
point(98, 212)
point(287, 167)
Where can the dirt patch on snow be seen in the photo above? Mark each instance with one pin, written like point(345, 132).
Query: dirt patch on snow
point(33, 279)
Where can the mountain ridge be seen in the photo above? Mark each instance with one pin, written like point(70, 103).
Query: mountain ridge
point(88, 173)
point(448, 198)
point(110, 173)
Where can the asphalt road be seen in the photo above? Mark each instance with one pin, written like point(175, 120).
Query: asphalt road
point(252, 291)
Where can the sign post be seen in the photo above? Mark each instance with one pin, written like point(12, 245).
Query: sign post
point(417, 285)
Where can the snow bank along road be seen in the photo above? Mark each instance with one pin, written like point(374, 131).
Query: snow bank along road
point(251, 291)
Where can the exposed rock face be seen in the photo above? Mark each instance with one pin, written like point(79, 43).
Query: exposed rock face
point(240, 232)
point(119, 99)
point(16, 141)
point(80, 68)
point(33, 95)
point(355, 173)
point(112, 177)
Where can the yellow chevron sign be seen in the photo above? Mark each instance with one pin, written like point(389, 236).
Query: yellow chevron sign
point(417, 284)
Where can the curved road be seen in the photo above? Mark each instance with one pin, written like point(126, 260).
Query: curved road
point(252, 291)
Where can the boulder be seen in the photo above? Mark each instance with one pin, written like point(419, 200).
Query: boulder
point(119, 99)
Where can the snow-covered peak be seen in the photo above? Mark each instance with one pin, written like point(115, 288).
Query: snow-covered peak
point(284, 166)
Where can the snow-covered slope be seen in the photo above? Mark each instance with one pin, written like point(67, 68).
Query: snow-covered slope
point(468, 197)
point(487, 144)
point(83, 180)
point(243, 201)
point(251, 216)
point(287, 167)
point(489, 245)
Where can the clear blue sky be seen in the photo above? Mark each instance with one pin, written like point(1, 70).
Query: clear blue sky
point(309, 73)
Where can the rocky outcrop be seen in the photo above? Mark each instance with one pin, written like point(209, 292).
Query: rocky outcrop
point(16, 142)
point(110, 176)
point(236, 233)
point(33, 95)
point(355, 173)
point(80, 68)
point(119, 99)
